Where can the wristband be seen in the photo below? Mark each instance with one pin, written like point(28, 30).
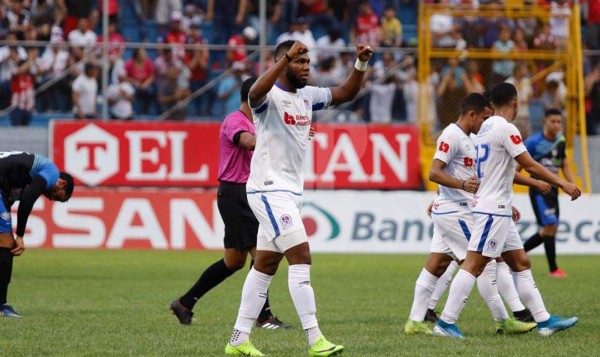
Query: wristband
point(288, 57)
point(463, 185)
point(361, 65)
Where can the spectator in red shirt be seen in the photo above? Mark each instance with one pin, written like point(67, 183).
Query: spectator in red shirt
point(317, 14)
point(197, 62)
point(175, 35)
point(593, 25)
point(115, 46)
point(367, 28)
point(237, 51)
point(139, 71)
point(22, 83)
point(113, 9)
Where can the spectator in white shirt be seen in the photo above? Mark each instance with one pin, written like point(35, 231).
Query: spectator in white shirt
point(331, 44)
point(85, 92)
point(120, 97)
point(53, 63)
point(82, 36)
point(10, 56)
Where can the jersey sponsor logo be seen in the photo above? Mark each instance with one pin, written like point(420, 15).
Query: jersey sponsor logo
point(5, 216)
point(286, 221)
point(444, 147)
point(468, 161)
point(516, 139)
point(300, 120)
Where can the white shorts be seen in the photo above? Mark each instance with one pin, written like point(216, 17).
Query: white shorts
point(494, 235)
point(451, 233)
point(278, 215)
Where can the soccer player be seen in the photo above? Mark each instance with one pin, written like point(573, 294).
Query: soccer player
point(498, 144)
point(453, 168)
point(548, 148)
point(236, 143)
point(282, 105)
point(24, 177)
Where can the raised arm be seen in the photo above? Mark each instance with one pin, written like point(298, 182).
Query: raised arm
point(265, 82)
point(349, 89)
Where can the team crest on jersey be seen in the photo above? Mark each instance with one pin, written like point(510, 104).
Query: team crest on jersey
point(306, 104)
point(5, 216)
point(286, 221)
point(492, 245)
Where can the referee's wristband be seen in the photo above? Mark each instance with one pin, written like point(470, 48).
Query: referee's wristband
point(361, 65)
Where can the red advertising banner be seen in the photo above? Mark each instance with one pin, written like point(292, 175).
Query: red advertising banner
point(127, 218)
point(186, 155)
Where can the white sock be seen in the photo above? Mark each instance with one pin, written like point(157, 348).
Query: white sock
point(486, 283)
point(457, 297)
point(506, 287)
point(530, 295)
point(303, 295)
point(254, 295)
point(442, 284)
point(424, 287)
point(312, 334)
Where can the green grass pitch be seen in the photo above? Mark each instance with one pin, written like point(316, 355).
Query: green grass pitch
point(114, 303)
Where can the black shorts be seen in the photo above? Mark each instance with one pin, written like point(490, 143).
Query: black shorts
point(545, 206)
point(241, 227)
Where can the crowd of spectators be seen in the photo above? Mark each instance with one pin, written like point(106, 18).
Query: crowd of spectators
point(149, 82)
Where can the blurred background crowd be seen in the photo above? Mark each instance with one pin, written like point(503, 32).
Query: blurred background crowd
point(163, 52)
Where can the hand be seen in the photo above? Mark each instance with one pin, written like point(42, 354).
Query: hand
point(471, 185)
point(364, 52)
point(311, 133)
point(516, 214)
point(430, 209)
point(297, 50)
point(571, 190)
point(543, 187)
point(19, 247)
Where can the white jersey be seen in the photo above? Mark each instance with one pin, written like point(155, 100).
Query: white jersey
point(282, 125)
point(497, 144)
point(457, 150)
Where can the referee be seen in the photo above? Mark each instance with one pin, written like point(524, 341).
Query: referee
point(236, 145)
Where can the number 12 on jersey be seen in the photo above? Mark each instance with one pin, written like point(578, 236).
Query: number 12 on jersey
point(482, 153)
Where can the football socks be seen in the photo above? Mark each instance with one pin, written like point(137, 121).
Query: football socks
point(254, 294)
point(212, 276)
point(506, 287)
point(442, 284)
point(530, 295)
point(6, 264)
point(457, 298)
point(424, 288)
point(486, 283)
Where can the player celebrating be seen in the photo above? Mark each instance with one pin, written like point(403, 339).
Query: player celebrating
point(236, 143)
point(548, 148)
point(453, 168)
point(497, 143)
point(24, 177)
point(282, 105)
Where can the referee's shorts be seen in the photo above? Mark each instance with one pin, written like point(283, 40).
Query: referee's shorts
point(241, 227)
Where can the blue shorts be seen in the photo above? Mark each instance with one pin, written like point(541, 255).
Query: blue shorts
point(545, 206)
point(5, 219)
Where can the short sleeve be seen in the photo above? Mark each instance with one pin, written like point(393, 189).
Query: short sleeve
point(446, 148)
point(77, 85)
point(510, 138)
point(320, 97)
point(234, 125)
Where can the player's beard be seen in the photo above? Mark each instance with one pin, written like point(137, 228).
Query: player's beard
point(295, 81)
